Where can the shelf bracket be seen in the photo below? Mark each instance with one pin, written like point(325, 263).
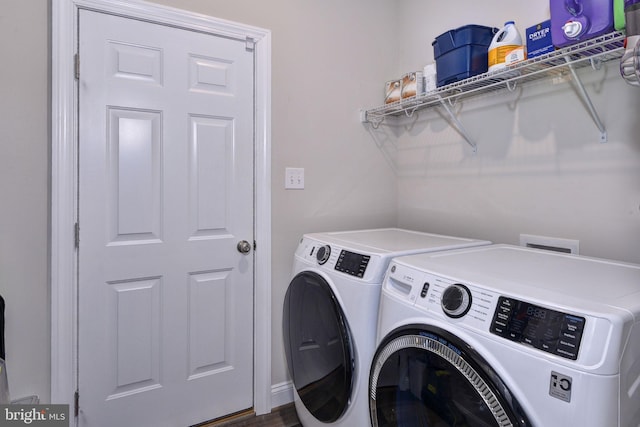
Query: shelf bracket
point(585, 97)
point(410, 113)
point(456, 123)
point(374, 121)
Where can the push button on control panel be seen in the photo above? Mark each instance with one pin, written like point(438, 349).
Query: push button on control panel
point(425, 290)
point(570, 336)
point(502, 316)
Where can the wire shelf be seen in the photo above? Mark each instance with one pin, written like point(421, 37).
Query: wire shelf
point(554, 64)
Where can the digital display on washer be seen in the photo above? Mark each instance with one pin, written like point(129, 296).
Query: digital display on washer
point(545, 329)
point(352, 263)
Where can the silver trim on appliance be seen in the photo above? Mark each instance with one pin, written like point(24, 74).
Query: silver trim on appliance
point(440, 349)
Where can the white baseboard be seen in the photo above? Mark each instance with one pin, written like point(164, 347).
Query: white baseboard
point(281, 394)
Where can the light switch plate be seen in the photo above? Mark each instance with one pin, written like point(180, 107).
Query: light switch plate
point(294, 178)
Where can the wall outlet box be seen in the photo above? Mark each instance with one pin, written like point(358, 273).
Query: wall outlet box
point(294, 178)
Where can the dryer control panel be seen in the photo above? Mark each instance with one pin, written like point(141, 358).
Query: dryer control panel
point(545, 329)
point(352, 263)
point(336, 258)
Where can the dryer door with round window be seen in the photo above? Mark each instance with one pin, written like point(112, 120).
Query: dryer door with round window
point(318, 346)
point(425, 376)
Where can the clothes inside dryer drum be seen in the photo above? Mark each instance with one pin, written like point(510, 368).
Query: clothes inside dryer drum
point(428, 378)
point(318, 346)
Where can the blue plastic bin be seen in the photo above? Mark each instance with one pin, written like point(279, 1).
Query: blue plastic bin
point(462, 53)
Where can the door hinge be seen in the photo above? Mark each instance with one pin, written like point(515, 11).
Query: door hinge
point(251, 44)
point(76, 403)
point(76, 66)
point(76, 237)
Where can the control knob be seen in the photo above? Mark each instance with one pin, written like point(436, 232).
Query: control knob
point(456, 300)
point(323, 253)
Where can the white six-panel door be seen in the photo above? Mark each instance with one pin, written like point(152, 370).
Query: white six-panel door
point(165, 195)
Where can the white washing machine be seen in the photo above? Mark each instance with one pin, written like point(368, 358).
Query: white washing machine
point(507, 336)
point(330, 317)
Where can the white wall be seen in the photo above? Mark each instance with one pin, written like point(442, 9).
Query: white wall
point(540, 168)
point(24, 193)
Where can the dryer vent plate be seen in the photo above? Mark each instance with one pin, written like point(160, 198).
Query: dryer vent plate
point(555, 244)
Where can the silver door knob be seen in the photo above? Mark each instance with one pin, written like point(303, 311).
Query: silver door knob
point(244, 247)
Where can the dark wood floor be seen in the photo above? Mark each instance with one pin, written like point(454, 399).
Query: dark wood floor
point(284, 416)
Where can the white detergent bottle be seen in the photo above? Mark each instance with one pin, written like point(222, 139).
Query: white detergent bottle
point(504, 41)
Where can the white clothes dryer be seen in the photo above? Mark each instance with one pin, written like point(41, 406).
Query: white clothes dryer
point(330, 317)
point(507, 336)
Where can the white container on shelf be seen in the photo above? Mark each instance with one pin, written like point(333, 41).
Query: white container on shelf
point(430, 78)
point(504, 41)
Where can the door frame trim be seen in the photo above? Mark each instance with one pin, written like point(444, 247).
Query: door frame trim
point(64, 191)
